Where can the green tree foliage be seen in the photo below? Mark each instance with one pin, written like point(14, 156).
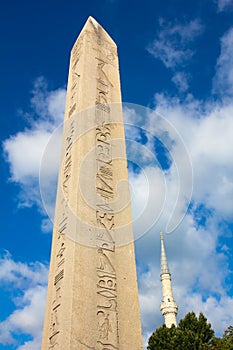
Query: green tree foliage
point(228, 335)
point(164, 339)
point(221, 344)
point(226, 342)
point(192, 333)
point(218, 344)
point(196, 333)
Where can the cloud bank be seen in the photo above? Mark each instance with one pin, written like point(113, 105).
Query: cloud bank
point(28, 285)
point(45, 115)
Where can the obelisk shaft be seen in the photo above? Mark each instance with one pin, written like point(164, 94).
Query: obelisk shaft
point(92, 300)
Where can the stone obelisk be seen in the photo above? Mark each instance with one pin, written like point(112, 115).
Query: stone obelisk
point(92, 300)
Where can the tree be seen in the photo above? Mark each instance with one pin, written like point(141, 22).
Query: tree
point(164, 339)
point(228, 338)
point(218, 344)
point(226, 342)
point(228, 335)
point(192, 333)
point(196, 333)
point(221, 344)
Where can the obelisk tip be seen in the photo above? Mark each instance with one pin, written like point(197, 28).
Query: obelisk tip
point(92, 25)
point(93, 21)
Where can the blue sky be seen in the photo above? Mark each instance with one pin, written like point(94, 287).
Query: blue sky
point(176, 58)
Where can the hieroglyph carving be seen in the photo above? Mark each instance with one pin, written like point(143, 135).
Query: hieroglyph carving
point(88, 302)
point(62, 226)
point(74, 78)
point(108, 334)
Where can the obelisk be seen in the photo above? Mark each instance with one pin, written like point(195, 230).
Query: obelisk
point(92, 300)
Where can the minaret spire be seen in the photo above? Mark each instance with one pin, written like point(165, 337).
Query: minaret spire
point(168, 307)
point(164, 263)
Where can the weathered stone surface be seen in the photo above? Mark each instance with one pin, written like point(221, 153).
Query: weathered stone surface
point(92, 300)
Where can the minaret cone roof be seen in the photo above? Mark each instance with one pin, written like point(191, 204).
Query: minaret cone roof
point(164, 263)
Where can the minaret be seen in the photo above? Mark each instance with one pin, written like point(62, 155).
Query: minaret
point(168, 307)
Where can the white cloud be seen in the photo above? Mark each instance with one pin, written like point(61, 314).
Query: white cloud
point(33, 274)
point(223, 80)
point(24, 151)
point(199, 266)
point(30, 143)
point(197, 257)
point(224, 5)
point(173, 183)
point(172, 44)
point(147, 199)
point(47, 106)
point(180, 79)
point(209, 142)
point(28, 284)
point(31, 345)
